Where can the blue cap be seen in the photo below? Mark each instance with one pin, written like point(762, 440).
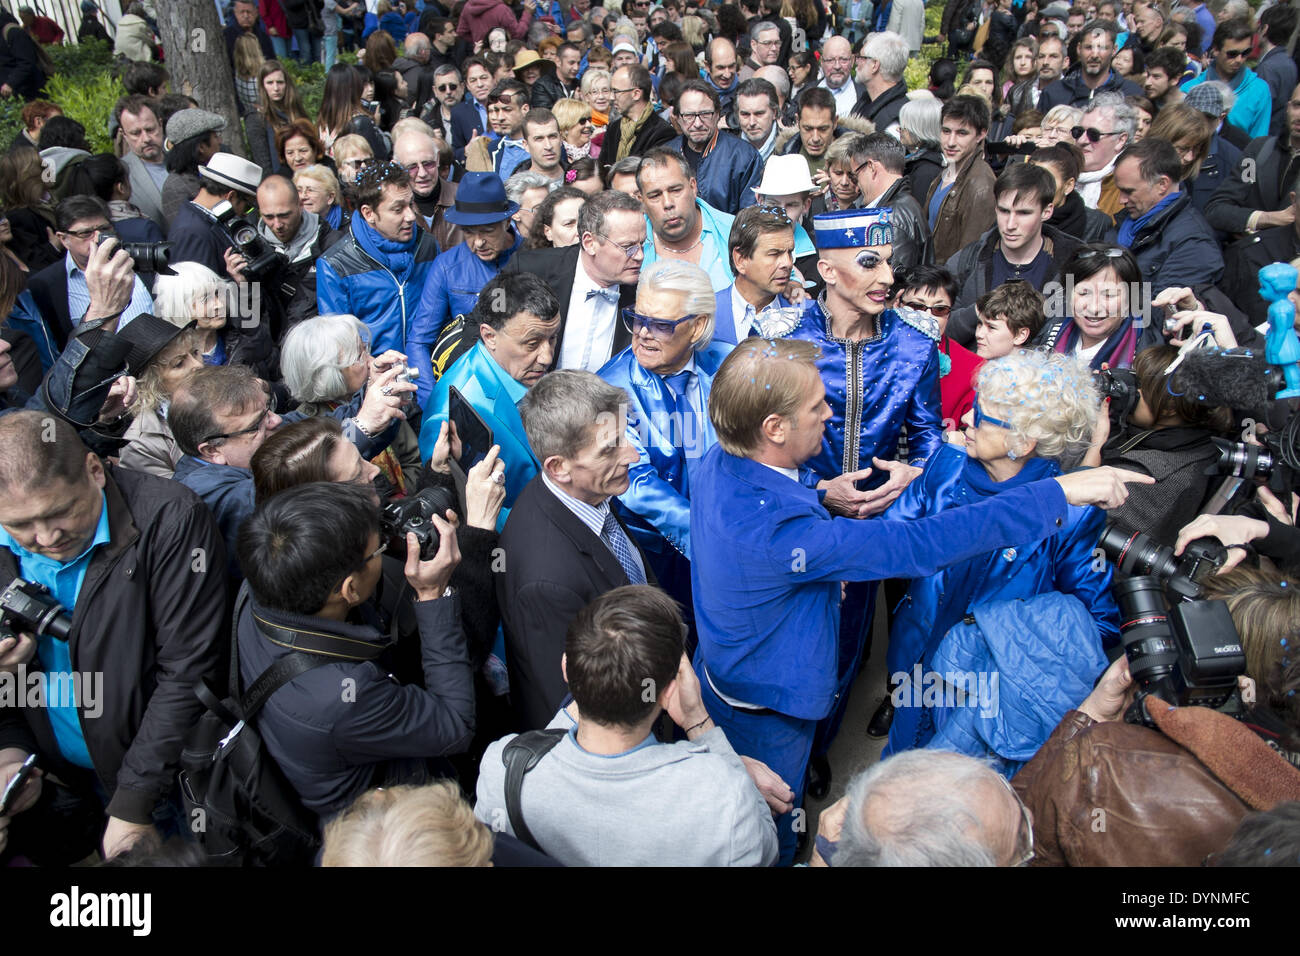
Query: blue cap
point(853, 228)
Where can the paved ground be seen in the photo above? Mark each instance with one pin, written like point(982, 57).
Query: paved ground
point(853, 750)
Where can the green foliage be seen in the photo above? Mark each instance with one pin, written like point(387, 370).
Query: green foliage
point(10, 119)
point(90, 102)
point(82, 62)
point(917, 74)
point(310, 80)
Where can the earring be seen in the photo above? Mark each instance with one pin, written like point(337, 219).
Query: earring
point(1011, 456)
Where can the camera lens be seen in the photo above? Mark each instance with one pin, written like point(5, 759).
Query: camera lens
point(1241, 460)
point(1144, 629)
point(1135, 553)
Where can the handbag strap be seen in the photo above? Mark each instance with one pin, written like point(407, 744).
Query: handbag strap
point(275, 677)
point(520, 756)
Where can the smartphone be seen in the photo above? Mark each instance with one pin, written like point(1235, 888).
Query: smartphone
point(474, 434)
point(15, 785)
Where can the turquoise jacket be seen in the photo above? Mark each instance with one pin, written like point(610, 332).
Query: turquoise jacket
point(715, 233)
point(494, 395)
point(1254, 106)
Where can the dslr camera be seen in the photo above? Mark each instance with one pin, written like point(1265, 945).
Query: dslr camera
point(1120, 386)
point(146, 257)
point(263, 261)
point(413, 515)
point(26, 606)
point(1186, 651)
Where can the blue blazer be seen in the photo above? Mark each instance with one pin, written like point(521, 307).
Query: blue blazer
point(767, 561)
point(729, 173)
point(1062, 561)
point(494, 395)
point(465, 119)
point(724, 319)
point(658, 500)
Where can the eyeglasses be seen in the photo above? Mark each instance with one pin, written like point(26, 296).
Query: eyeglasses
point(659, 328)
point(776, 42)
point(503, 99)
point(1025, 836)
point(1235, 54)
point(702, 116)
point(938, 311)
point(618, 92)
point(361, 163)
point(839, 60)
point(383, 546)
point(428, 166)
point(981, 418)
point(448, 89)
point(1114, 252)
point(631, 250)
point(252, 429)
point(88, 232)
point(1094, 135)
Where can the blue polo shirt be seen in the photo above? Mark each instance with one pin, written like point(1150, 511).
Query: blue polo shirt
point(64, 580)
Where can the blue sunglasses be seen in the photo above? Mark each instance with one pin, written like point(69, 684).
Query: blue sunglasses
point(980, 418)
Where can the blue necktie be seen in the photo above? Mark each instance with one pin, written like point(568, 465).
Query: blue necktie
point(609, 295)
point(618, 543)
point(690, 440)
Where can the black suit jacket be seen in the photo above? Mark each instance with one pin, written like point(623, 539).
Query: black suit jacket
point(557, 268)
point(554, 567)
point(49, 289)
point(655, 132)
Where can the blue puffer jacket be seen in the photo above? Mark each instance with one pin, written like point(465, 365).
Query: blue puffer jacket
point(1022, 665)
point(349, 281)
point(26, 317)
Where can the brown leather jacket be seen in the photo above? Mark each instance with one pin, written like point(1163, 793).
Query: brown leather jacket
point(1115, 794)
point(968, 211)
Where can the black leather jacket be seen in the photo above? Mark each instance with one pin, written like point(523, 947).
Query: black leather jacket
point(911, 231)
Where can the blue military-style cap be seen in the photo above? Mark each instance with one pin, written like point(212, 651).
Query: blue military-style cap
point(853, 228)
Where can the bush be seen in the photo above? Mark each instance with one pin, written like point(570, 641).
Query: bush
point(90, 102)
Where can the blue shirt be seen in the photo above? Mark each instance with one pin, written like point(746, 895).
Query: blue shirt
point(936, 201)
point(79, 295)
point(64, 579)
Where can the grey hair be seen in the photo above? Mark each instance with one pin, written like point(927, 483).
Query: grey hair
point(762, 26)
point(1047, 397)
point(520, 183)
point(1126, 117)
point(1062, 112)
point(591, 76)
point(587, 31)
point(933, 817)
point(890, 50)
point(627, 166)
point(175, 297)
point(316, 351)
point(661, 156)
point(1235, 10)
point(446, 69)
point(921, 119)
point(692, 282)
point(594, 212)
point(568, 409)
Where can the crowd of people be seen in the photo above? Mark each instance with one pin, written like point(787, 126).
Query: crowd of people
point(519, 443)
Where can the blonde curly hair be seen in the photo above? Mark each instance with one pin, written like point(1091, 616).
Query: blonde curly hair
point(1047, 398)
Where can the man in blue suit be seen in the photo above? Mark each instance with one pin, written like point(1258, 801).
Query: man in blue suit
point(517, 324)
point(762, 254)
point(768, 558)
point(667, 372)
point(470, 118)
point(726, 167)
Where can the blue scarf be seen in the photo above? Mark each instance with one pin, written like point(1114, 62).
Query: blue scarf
point(1130, 227)
point(334, 216)
point(982, 483)
point(398, 256)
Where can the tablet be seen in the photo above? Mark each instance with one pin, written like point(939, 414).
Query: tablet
point(474, 434)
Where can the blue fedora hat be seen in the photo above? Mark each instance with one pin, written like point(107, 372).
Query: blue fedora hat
point(480, 200)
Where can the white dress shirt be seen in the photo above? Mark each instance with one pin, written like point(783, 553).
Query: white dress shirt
point(589, 328)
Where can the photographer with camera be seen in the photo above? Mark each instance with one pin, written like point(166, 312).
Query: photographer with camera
point(1167, 436)
point(227, 187)
point(137, 563)
point(1171, 796)
point(60, 291)
point(299, 238)
point(312, 559)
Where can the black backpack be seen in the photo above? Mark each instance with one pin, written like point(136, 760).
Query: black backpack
point(242, 809)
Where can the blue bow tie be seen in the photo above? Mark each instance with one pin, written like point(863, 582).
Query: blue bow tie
point(609, 295)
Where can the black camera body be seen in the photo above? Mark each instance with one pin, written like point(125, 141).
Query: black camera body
point(30, 607)
point(413, 515)
point(1180, 648)
point(1120, 386)
point(263, 261)
point(146, 256)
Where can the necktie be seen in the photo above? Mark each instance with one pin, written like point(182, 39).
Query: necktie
point(688, 438)
point(621, 547)
point(609, 295)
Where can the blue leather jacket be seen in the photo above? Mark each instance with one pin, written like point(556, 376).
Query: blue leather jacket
point(874, 387)
point(1062, 562)
point(657, 504)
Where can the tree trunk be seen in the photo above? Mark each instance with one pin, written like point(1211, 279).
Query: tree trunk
point(196, 58)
